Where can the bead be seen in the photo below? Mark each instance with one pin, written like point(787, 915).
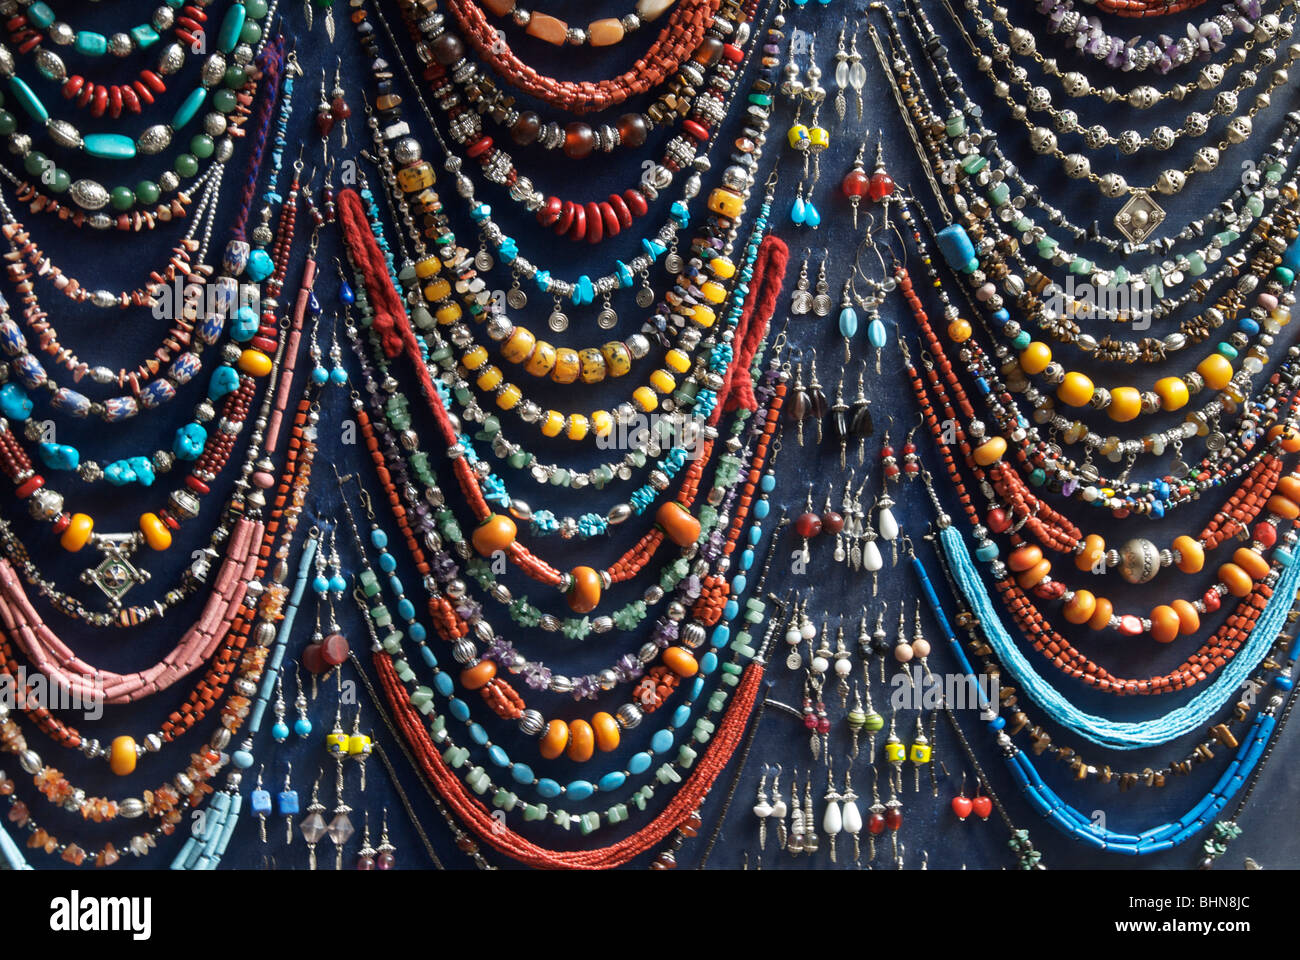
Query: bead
point(477, 676)
point(990, 452)
point(1235, 579)
point(1250, 561)
point(1034, 575)
point(582, 741)
point(678, 523)
point(1075, 390)
point(155, 531)
point(1290, 437)
point(632, 130)
point(122, 756)
point(1080, 607)
point(496, 532)
point(579, 140)
point(1189, 619)
point(255, 363)
point(554, 740)
point(726, 203)
point(584, 594)
point(680, 661)
point(1215, 370)
point(1125, 404)
point(1191, 556)
point(1164, 624)
point(1172, 392)
point(1035, 358)
point(1101, 614)
point(1024, 558)
point(1094, 549)
point(542, 360)
point(607, 732)
point(77, 535)
point(567, 365)
point(959, 331)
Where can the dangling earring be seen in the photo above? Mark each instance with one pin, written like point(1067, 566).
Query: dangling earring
point(821, 303)
point(887, 525)
point(366, 855)
point(860, 423)
point(856, 182)
point(842, 520)
point(857, 72)
point(843, 665)
point(313, 826)
point(818, 137)
point(279, 729)
point(324, 119)
point(801, 299)
point(793, 638)
point(911, 460)
point(839, 417)
point(779, 809)
point(920, 754)
point(288, 803)
point(359, 746)
point(301, 726)
point(319, 375)
point(880, 645)
point(260, 804)
point(762, 810)
point(795, 844)
point(338, 373)
point(817, 405)
point(850, 815)
point(810, 844)
point(387, 858)
point(961, 804)
point(848, 319)
point(340, 828)
point(872, 561)
point(888, 463)
point(857, 717)
point(801, 403)
point(902, 649)
point(841, 75)
point(339, 108)
point(832, 819)
point(981, 804)
point(895, 756)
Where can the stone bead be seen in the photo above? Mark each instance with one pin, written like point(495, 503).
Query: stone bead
point(495, 533)
point(582, 741)
point(1080, 607)
point(122, 756)
point(605, 33)
point(1164, 624)
point(477, 676)
point(547, 28)
point(607, 732)
point(680, 661)
point(680, 526)
point(1235, 579)
point(990, 452)
point(1191, 556)
point(77, 535)
point(155, 531)
point(1101, 614)
point(1075, 390)
point(1035, 358)
point(554, 740)
point(1172, 392)
point(584, 594)
point(448, 48)
point(1216, 370)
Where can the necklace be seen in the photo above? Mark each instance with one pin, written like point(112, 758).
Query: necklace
point(679, 39)
point(605, 32)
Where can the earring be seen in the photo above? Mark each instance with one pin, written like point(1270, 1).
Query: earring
point(818, 136)
point(779, 809)
point(882, 184)
point(961, 804)
point(875, 815)
point(324, 119)
point(359, 746)
point(888, 463)
point(340, 828)
point(288, 802)
point(793, 638)
point(366, 855)
point(839, 420)
point(313, 826)
point(880, 642)
point(841, 73)
point(339, 108)
point(260, 804)
point(887, 525)
point(850, 815)
point(856, 182)
point(841, 520)
point(843, 665)
point(387, 858)
point(795, 844)
point(981, 804)
point(301, 726)
point(279, 729)
point(319, 374)
point(848, 320)
point(861, 424)
point(810, 843)
point(817, 405)
point(801, 404)
point(872, 561)
point(856, 530)
point(821, 303)
point(902, 649)
point(807, 525)
point(338, 373)
point(801, 299)
point(857, 72)
point(920, 754)
point(832, 819)
point(762, 810)
point(911, 460)
point(895, 756)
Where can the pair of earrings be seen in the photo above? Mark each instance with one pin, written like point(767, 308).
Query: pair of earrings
point(817, 300)
point(851, 422)
point(849, 73)
point(800, 630)
point(332, 109)
point(980, 804)
point(824, 660)
point(765, 810)
point(862, 718)
point(803, 828)
point(314, 827)
point(808, 139)
point(877, 187)
point(383, 857)
point(328, 647)
point(911, 467)
point(842, 814)
point(301, 726)
point(335, 373)
point(260, 804)
point(807, 401)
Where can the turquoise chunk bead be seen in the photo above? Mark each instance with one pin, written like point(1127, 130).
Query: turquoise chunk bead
point(189, 441)
point(189, 107)
point(29, 100)
point(91, 44)
point(224, 380)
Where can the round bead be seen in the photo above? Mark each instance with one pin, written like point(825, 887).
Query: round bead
point(1191, 556)
point(1250, 561)
point(1094, 549)
point(1075, 390)
point(1172, 392)
point(155, 531)
point(584, 594)
point(122, 756)
point(582, 741)
point(1080, 607)
point(1235, 579)
point(1035, 358)
point(78, 533)
point(554, 740)
point(477, 676)
point(1216, 370)
point(1164, 624)
point(1125, 404)
point(1189, 619)
point(607, 732)
point(1101, 614)
point(497, 532)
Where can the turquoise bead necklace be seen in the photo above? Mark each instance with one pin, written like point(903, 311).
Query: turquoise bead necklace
point(240, 38)
point(44, 22)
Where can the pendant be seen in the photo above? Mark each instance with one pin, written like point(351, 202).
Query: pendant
point(558, 322)
point(516, 299)
point(645, 297)
point(1139, 217)
point(115, 575)
point(607, 319)
point(673, 262)
point(801, 302)
point(483, 261)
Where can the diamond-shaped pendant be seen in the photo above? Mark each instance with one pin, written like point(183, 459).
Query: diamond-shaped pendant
point(115, 574)
point(1139, 217)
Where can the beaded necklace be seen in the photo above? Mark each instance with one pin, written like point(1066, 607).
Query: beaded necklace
point(605, 32)
point(678, 40)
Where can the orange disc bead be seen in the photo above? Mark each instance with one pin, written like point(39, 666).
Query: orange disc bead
point(1289, 487)
point(1164, 623)
point(1080, 607)
point(495, 533)
point(1290, 437)
point(555, 739)
point(477, 676)
point(1189, 620)
point(1235, 579)
point(1094, 548)
point(1251, 562)
point(1284, 507)
point(1024, 558)
point(1034, 575)
point(680, 661)
point(1191, 555)
point(582, 741)
point(607, 732)
point(1101, 614)
point(584, 595)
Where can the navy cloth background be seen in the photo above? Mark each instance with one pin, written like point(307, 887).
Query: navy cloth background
point(930, 827)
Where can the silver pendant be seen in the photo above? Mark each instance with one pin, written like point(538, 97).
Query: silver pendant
point(558, 322)
point(1178, 469)
point(607, 319)
point(1139, 217)
point(645, 297)
point(673, 262)
point(1215, 441)
point(801, 302)
point(483, 261)
point(516, 299)
point(821, 305)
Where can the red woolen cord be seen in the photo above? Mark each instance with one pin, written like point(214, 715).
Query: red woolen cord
point(769, 269)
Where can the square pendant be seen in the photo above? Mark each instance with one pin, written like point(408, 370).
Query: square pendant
point(1139, 217)
point(116, 574)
